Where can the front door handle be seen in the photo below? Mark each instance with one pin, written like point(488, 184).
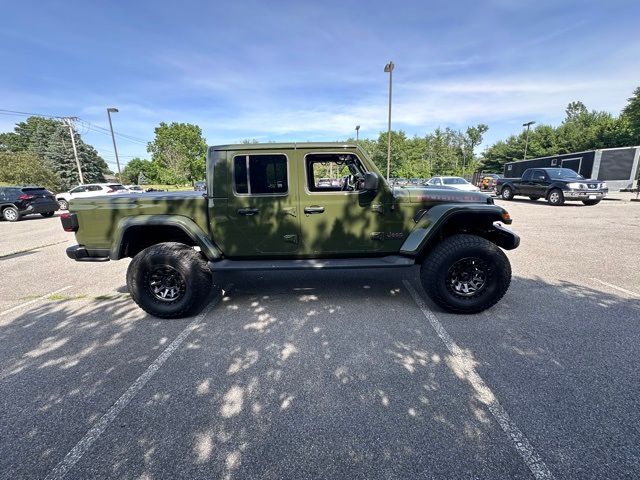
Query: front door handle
point(314, 209)
point(248, 211)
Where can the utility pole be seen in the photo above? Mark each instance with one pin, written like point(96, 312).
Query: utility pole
point(388, 68)
point(109, 110)
point(357, 133)
point(526, 142)
point(69, 122)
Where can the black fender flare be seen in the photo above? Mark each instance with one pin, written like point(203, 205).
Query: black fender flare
point(433, 221)
point(187, 225)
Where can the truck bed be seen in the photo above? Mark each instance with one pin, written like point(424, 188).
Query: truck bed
point(98, 217)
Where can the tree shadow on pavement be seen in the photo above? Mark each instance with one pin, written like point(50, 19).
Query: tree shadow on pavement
point(331, 374)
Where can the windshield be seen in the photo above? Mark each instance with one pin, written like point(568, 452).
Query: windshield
point(454, 181)
point(563, 173)
point(116, 186)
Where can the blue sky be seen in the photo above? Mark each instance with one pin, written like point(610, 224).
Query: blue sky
point(298, 70)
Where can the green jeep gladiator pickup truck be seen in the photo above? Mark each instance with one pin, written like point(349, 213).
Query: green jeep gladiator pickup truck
point(295, 206)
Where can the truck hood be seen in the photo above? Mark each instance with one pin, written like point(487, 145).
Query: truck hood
point(435, 195)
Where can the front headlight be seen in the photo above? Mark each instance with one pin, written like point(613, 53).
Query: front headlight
point(604, 185)
point(574, 185)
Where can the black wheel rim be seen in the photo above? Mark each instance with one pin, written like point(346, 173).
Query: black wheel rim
point(166, 284)
point(468, 277)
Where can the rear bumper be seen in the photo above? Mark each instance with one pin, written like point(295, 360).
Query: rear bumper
point(80, 254)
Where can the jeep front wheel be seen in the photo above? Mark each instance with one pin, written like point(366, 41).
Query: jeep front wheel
point(466, 274)
point(169, 280)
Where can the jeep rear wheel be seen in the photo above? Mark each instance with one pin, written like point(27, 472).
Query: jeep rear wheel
point(466, 274)
point(169, 280)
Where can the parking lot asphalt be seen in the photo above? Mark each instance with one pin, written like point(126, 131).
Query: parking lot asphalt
point(331, 374)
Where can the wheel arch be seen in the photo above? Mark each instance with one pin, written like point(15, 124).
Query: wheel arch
point(445, 220)
point(134, 234)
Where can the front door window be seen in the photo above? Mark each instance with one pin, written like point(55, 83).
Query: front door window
point(337, 214)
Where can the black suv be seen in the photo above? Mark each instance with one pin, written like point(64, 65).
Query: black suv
point(18, 201)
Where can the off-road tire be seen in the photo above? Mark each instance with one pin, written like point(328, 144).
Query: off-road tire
point(555, 197)
point(590, 202)
point(436, 267)
point(47, 214)
point(181, 258)
point(11, 214)
point(64, 205)
point(506, 193)
point(534, 198)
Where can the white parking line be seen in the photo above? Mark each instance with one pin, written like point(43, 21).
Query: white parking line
point(615, 287)
point(30, 302)
point(522, 445)
point(101, 425)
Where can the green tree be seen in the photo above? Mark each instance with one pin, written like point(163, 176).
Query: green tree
point(27, 168)
point(630, 119)
point(132, 170)
point(49, 139)
point(178, 152)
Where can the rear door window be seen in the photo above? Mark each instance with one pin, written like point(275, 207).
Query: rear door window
point(260, 174)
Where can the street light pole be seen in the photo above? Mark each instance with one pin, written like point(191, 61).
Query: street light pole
point(357, 132)
point(69, 122)
point(389, 69)
point(115, 149)
point(526, 142)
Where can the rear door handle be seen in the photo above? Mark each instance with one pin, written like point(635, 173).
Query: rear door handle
point(248, 211)
point(312, 210)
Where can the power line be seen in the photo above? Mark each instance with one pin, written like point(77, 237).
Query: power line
point(85, 123)
point(14, 112)
point(98, 128)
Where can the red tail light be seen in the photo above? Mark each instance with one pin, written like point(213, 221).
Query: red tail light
point(69, 222)
point(24, 196)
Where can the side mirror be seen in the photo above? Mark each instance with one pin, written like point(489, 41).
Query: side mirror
point(371, 182)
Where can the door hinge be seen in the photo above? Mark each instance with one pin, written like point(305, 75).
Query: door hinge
point(293, 238)
point(376, 235)
point(377, 207)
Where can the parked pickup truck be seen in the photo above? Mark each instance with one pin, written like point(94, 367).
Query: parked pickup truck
point(267, 208)
point(553, 184)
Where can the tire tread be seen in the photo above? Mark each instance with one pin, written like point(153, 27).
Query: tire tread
point(199, 279)
point(449, 246)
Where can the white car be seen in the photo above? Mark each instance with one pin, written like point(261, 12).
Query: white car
point(458, 183)
point(134, 188)
point(88, 190)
